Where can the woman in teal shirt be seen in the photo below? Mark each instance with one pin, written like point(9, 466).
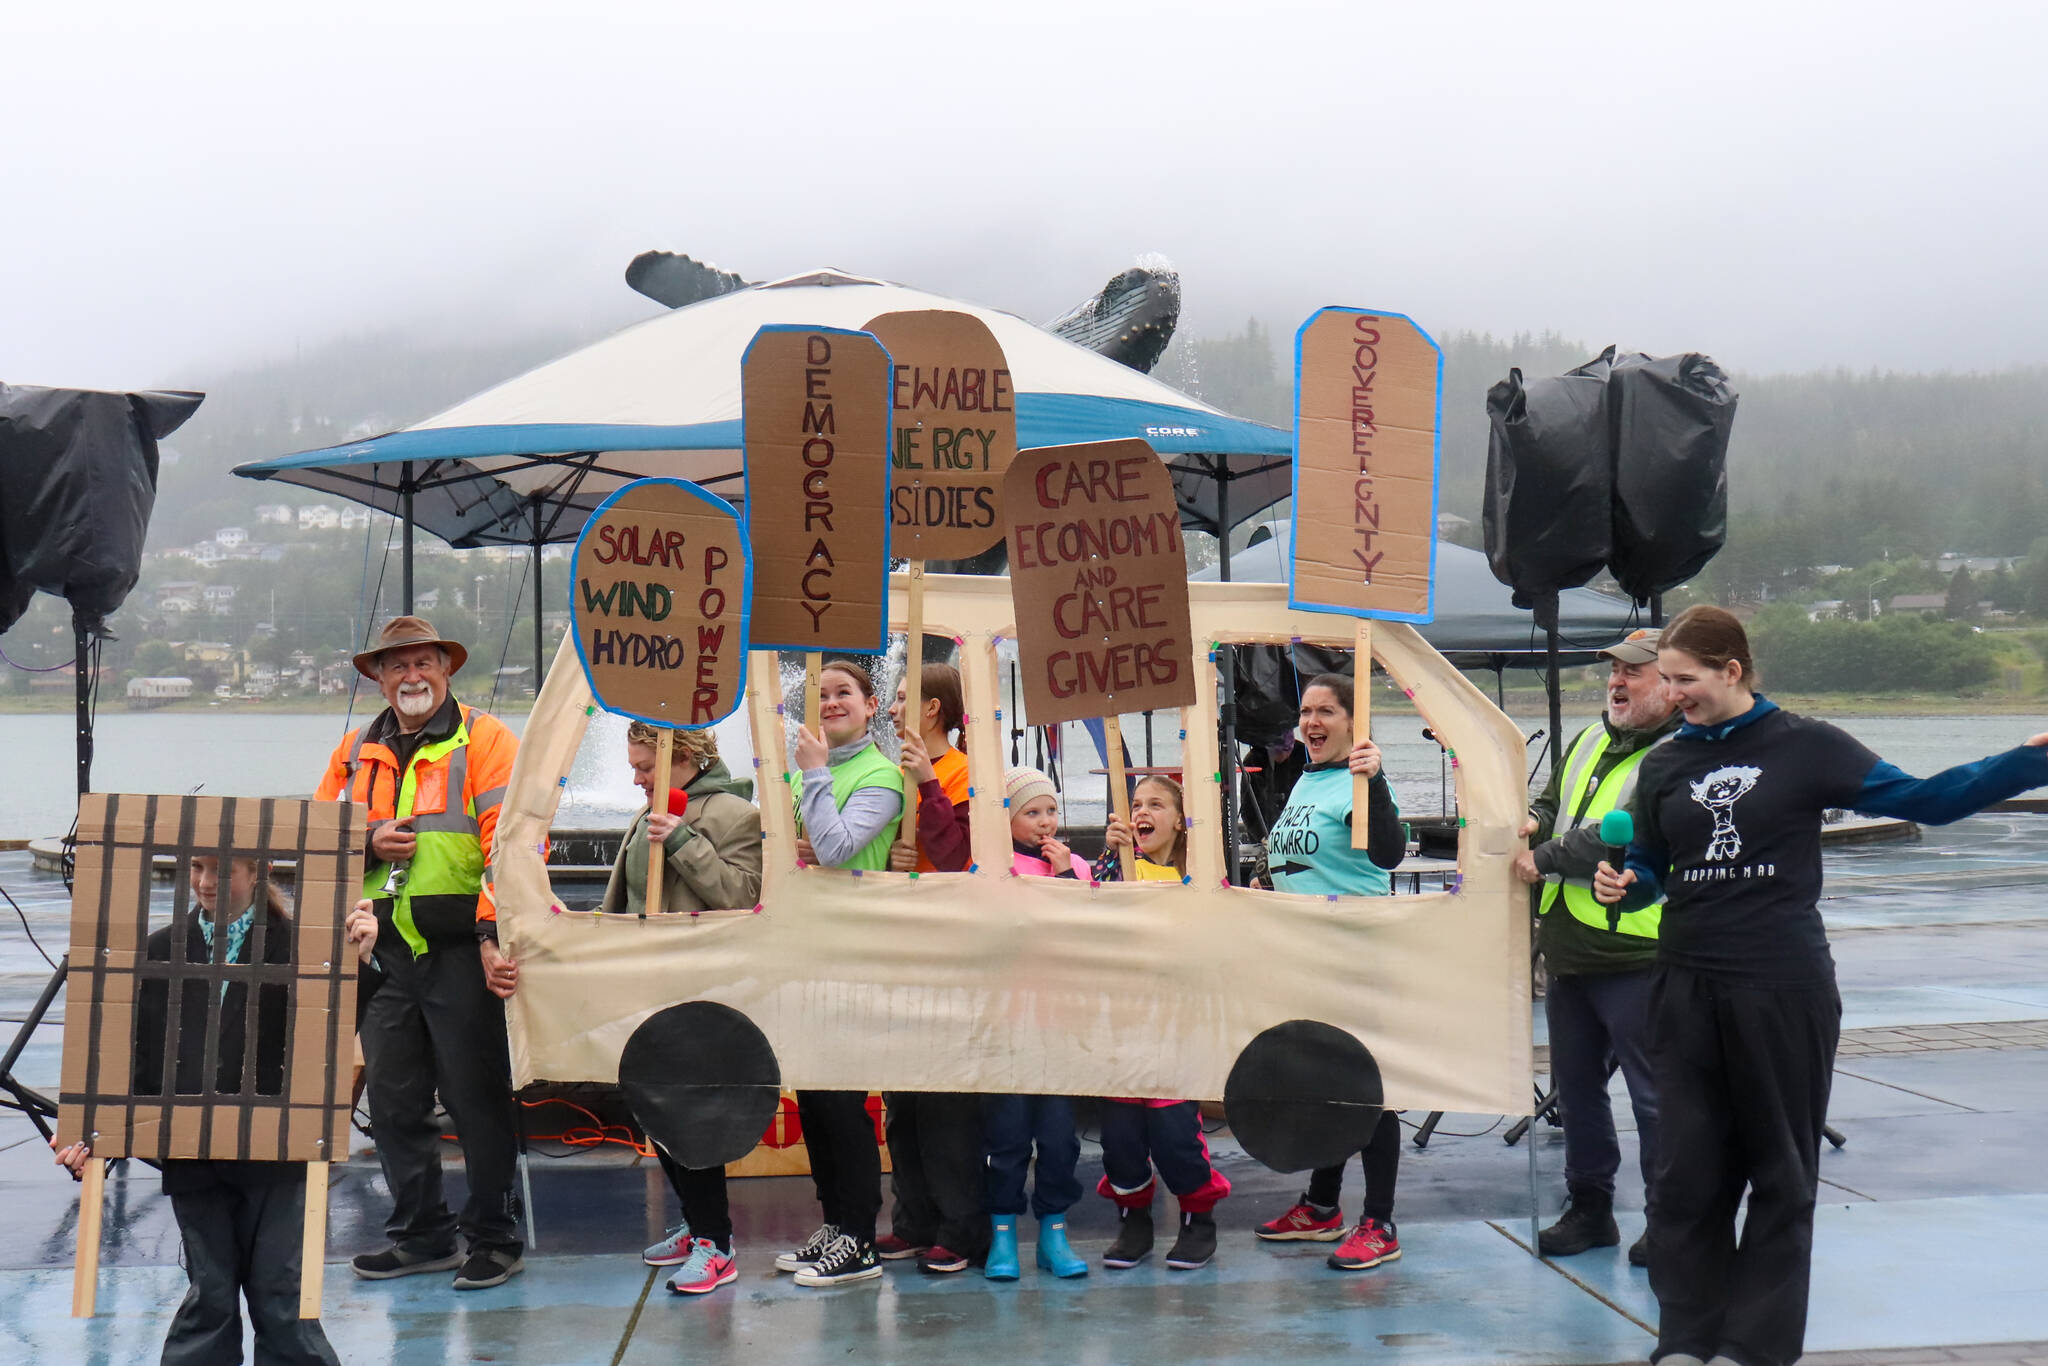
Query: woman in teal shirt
point(1309, 850)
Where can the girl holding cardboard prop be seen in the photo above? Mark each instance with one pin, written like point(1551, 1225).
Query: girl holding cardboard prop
point(1310, 850)
point(710, 837)
point(242, 1223)
point(852, 806)
point(1745, 1011)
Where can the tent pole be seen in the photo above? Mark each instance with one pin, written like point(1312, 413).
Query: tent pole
point(80, 655)
point(539, 661)
point(1226, 664)
point(405, 503)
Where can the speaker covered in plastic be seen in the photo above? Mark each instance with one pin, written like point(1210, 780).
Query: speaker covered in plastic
point(1670, 418)
point(1549, 480)
point(77, 485)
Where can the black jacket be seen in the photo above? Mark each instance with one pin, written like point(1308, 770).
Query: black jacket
point(151, 1015)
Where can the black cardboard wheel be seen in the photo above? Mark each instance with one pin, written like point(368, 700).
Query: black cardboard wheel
point(702, 1082)
point(1303, 1095)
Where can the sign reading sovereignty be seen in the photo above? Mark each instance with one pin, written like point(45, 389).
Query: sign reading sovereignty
point(658, 604)
point(815, 404)
point(1369, 390)
point(1100, 581)
point(956, 432)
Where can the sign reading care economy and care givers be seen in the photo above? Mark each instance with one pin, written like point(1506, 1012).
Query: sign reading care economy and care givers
point(815, 405)
point(658, 604)
point(1368, 410)
point(1099, 579)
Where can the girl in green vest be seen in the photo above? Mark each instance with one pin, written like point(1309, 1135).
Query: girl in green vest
point(851, 803)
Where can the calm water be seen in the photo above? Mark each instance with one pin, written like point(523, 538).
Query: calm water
point(278, 755)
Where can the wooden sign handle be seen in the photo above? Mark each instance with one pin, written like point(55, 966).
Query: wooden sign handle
point(913, 655)
point(85, 1274)
point(313, 1253)
point(1119, 793)
point(1361, 729)
point(657, 856)
point(814, 666)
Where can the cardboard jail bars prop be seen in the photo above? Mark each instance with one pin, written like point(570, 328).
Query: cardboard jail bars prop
point(816, 426)
point(955, 434)
point(1368, 420)
point(671, 566)
point(1098, 577)
point(983, 981)
point(304, 1116)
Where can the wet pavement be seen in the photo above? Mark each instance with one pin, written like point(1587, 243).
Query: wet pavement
point(1932, 1242)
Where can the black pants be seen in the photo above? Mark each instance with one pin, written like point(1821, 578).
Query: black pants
point(702, 1191)
point(1012, 1127)
point(1137, 1138)
point(846, 1163)
point(1742, 1074)
point(1381, 1159)
point(936, 1166)
point(433, 1025)
point(1600, 1021)
point(243, 1227)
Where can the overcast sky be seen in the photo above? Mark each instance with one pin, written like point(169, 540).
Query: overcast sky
point(1787, 185)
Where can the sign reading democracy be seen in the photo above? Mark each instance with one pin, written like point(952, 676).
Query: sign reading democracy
point(658, 604)
point(1369, 403)
point(956, 432)
point(1100, 582)
point(815, 415)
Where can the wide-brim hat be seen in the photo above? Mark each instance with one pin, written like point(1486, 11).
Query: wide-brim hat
point(1637, 647)
point(400, 631)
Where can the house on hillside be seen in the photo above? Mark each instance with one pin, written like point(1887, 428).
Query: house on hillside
point(318, 517)
point(228, 537)
point(1833, 609)
point(275, 514)
point(220, 598)
point(1928, 604)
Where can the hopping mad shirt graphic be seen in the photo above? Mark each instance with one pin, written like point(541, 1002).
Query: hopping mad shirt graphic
point(1718, 792)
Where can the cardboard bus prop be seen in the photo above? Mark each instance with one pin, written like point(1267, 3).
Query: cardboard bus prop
point(1368, 419)
point(1100, 580)
point(956, 433)
point(204, 1083)
point(1320, 1007)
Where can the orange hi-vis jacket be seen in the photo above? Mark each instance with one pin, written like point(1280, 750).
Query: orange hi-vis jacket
point(450, 789)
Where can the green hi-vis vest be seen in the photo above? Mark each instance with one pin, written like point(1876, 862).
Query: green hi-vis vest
point(448, 853)
point(869, 768)
point(1613, 794)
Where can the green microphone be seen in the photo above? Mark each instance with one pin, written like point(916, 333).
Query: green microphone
point(1617, 830)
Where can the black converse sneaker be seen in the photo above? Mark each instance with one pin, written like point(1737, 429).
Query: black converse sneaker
point(1196, 1245)
point(813, 1248)
point(1133, 1239)
point(845, 1258)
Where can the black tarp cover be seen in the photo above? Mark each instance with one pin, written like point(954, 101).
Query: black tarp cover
point(77, 485)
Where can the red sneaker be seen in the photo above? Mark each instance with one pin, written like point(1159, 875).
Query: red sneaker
point(890, 1248)
point(1303, 1224)
point(1369, 1244)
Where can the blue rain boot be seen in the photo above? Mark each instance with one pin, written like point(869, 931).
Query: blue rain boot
point(1002, 1249)
point(1054, 1252)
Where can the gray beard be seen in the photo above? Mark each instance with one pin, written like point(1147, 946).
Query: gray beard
point(415, 706)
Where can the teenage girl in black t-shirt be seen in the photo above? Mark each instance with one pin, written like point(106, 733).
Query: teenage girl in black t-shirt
point(1744, 1015)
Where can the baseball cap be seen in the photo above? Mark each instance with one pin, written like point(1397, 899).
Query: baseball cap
point(1637, 647)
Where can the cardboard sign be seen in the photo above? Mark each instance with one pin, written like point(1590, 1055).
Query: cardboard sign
point(1100, 581)
point(1367, 432)
point(658, 604)
point(815, 404)
point(177, 1054)
point(956, 432)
